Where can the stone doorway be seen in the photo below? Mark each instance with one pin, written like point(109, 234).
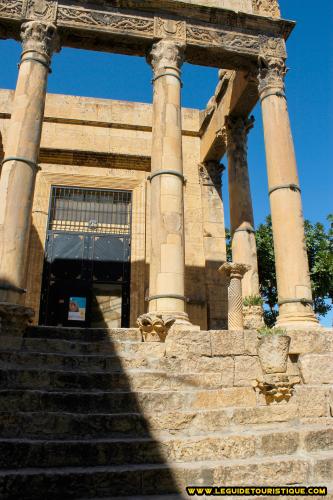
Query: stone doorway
point(86, 276)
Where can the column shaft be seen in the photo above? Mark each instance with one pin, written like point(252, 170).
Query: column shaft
point(292, 271)
point(167, 262)
point(20, 163)
point(244, 248)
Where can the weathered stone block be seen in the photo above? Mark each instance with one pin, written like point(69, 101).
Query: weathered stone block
point(323, 469)
point(279, 443)
point(184, 343)
point(250, 342)
point(265, 414)
point(303, 342)
point(225, 342)
point(317, 368)
point(312, 401)
point(318, 440)
point(237, 396)
point(263, 472)
point(247, 369)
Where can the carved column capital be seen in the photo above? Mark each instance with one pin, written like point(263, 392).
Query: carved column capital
point(234, 270)
point(237, 129)
point(166, 54)
point(40, 37)
point(272, 71)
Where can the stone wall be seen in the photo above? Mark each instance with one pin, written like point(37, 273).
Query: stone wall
point(101, 143)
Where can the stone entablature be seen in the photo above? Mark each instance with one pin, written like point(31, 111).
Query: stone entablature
point(236, 37)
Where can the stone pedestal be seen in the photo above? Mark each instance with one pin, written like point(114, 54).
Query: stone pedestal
point(233, 274)
point(19, 166)
point(292, 271)
point(244, 248)
point(167, 258)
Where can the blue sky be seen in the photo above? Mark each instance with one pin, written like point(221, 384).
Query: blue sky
point(309, 91)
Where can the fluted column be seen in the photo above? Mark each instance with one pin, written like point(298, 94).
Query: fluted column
point(19, 167)
point(292, 271)
point(167, 258)
point(244, 249)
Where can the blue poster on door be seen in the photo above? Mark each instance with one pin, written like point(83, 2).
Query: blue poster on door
point(77, 308)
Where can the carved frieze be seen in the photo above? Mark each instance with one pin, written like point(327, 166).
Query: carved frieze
point(106, 20)
point(230, 41)
point(199, 34)
point(272, 47)
point(266, 8)
point(45, 10)
point(169, 28)
point(11, 8)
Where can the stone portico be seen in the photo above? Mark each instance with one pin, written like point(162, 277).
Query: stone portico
point(249, 46)
point(112, 218)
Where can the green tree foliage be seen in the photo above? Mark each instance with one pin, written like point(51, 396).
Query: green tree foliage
point(319, 245)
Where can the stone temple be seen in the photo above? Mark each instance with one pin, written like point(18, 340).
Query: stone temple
point(129, 365)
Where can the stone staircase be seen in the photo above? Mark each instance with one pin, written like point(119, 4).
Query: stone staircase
point(101, 414)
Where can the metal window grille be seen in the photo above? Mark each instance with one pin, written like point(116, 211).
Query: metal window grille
point(90, 210)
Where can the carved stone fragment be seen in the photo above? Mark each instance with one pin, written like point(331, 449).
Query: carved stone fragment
point(11, 8)
point(170, 28)
point(155, 327)
point(45, 10)
point(276, 388)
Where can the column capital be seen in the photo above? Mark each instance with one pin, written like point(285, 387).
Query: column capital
point(41, 37)
point(272, 71)
point(166, 54)
point(234, 269)
point(237, 129)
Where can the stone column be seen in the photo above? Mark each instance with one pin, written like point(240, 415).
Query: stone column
point(233, 274)
point(214, 243)
point(292, 271)
point(244, 248)
point(167, 258)
point(19, 167)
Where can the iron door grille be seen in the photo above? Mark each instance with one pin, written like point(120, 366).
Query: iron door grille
point(90, 210)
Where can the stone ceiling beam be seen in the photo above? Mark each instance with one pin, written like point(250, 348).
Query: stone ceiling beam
point(239, 97)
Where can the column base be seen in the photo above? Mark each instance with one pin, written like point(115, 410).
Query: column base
point(14, 318)
point(298, 321)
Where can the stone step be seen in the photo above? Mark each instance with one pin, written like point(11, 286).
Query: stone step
point(45, 345)
point(84, 362)
point(140, 379)
point(162, 449)
point(83, 334)
point(116, 362)
point(127, 401)
point(100, 425)
point(161, 479)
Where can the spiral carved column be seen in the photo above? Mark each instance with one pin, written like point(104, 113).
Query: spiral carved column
point(233, 273)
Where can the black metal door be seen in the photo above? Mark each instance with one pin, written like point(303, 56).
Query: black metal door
point(86, 279)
